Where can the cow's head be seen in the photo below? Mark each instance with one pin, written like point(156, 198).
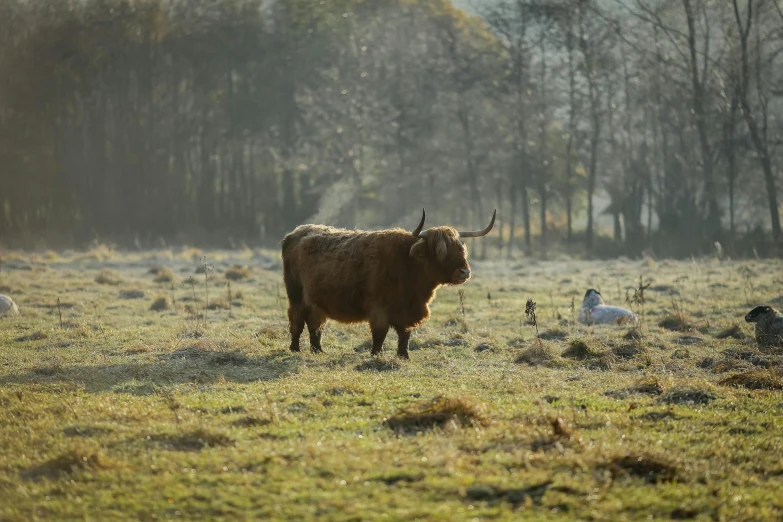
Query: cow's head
point(443, 252)
point(757, 313)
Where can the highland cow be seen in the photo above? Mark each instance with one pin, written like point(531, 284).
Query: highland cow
point(386, 278)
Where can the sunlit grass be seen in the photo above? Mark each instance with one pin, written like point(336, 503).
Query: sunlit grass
point(136, 410)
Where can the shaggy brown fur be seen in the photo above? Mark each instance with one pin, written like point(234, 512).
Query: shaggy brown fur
point(386, 278)
point(769, 325)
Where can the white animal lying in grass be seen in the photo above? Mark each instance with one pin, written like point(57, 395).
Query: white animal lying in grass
point(594, 311)
point(7, 306)
point(769, 325)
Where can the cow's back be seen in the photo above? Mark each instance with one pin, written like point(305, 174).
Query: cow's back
point(336, 267)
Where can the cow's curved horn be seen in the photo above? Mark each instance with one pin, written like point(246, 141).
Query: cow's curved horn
point(481, 232)
point(417, 230)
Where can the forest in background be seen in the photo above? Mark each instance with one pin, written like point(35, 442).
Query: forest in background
point(218, 121)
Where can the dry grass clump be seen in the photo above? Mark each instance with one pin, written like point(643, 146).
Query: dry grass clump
point(72, 461)
point(581, 350)
point(192, 441)
point(605, 362)
point(440, 412)
point(650, 386)
point(131, 294)
point(676, 322)
point(108, 277)
point(160, 304)
point(731, 365)
point(35, 336)
point(237, 272)
point(164, 275)
point(202, 351)
point(754, 357)
point(633, 335)
point(688, 340)
point(99, 252)
point(554, 335)
point(688, 396)
point(218, 304)
point(532, 495)
point(235, 358)
point(378, 365)
point(538, 354)
point(85, 431)
point(274, 332)
point(627, 351)
point(732, 332)
point(251, 422)
point(654, 469)
point(483, 347)
point(754, 380)
point(48, 370)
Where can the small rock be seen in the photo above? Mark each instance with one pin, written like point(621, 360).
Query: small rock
point(131, 294)
point(483, 347)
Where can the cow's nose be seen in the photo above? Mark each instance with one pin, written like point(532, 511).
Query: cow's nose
point(465, 272)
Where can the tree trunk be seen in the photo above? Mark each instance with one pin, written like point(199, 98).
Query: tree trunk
point(758, 139)
point(712, 217)
point(526, 217)
point(571, 127)
point(543, 166)
point(512, 195)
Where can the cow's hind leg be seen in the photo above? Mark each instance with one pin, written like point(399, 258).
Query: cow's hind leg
point(296, 307)
point(404, 336)
point(378, 336)
point(296, 323)
point(315, 320)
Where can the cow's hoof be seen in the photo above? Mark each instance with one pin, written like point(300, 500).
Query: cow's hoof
point(403, 355)
point(295, 349)
point(377, 353)
point(316, 349)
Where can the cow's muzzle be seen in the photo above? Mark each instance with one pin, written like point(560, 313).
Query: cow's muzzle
point(461, 275)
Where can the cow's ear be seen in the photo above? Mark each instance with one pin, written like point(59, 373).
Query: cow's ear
point(419, 249)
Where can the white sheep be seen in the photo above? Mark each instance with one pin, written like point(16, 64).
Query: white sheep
point(7, 306)
point(769, 325)
point(594, 311)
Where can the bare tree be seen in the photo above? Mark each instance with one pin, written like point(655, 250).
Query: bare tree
point(756, 120)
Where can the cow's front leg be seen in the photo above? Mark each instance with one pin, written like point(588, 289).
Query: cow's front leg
point(379, 326)
point(315, 320)
point(404, 336)
point(378, 336)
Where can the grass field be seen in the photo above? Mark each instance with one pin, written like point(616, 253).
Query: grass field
point(125, 401)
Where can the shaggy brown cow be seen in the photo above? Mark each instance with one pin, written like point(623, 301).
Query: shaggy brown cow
point(386, 278)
